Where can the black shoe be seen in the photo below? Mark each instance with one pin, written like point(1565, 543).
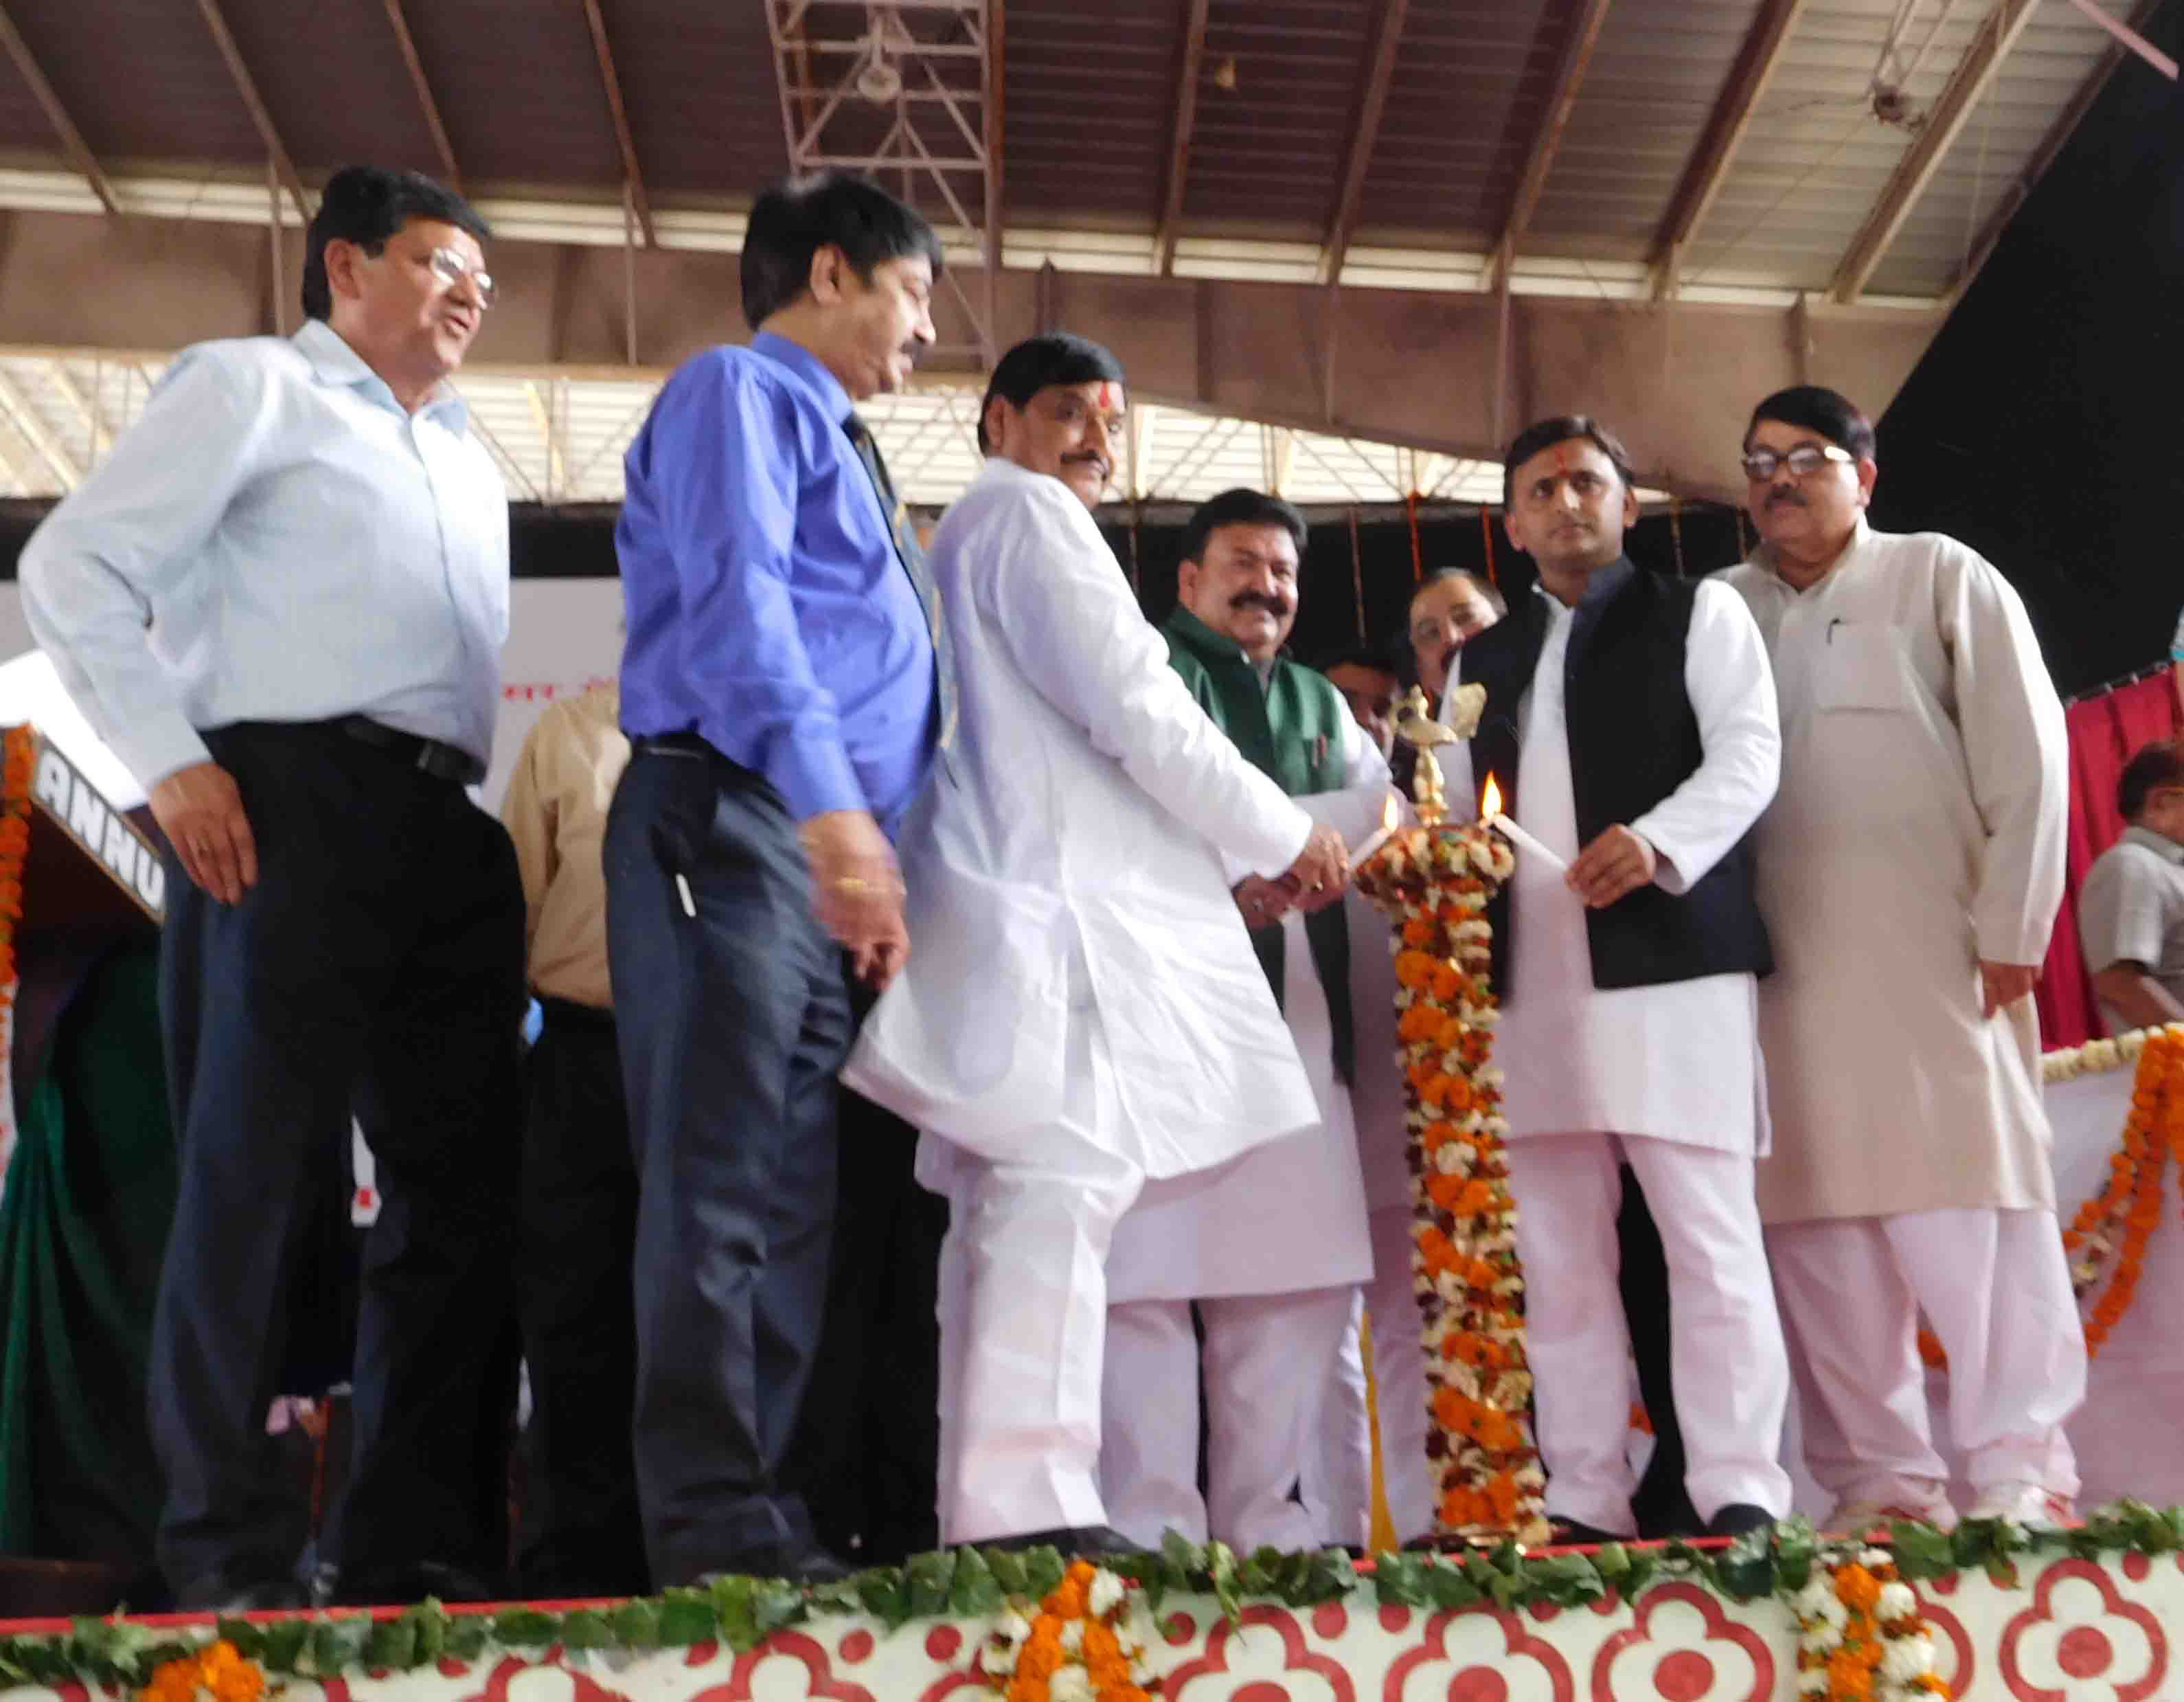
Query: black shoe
point(215, 1593)
point(1739, 1517)
point(401, 1586)
point(1076, 1542)
point(1576, 1533)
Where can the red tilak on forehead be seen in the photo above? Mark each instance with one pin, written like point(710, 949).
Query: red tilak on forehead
point(1563, 460)
point(1111, 396)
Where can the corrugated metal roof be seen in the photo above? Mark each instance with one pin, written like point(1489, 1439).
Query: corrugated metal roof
point(1090, 109)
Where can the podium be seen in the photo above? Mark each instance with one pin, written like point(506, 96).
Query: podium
point(79, 868)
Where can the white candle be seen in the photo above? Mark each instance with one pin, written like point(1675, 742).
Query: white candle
point(1524, 842)
point(1391, 818)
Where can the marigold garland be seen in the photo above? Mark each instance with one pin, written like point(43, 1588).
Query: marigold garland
point(1434, 883)
point(1860, 1637)
point(218, 1671)
point(18, 753)
point(1074, 1648)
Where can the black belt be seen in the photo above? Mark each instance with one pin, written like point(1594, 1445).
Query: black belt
point(413, 751)
point(672, 744)
point(567, 1013)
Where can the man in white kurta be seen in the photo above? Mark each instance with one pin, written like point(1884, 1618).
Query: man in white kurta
point(1910, 871)
point(1082, 1009)
point(1632, 1033)
point(1268, 1248)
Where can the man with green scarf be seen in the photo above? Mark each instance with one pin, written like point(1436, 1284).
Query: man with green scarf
point(1270, 1247)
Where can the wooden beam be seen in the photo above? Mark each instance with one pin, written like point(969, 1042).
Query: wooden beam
point(2066, 123)
point(423, 88)
point(1379, 69)
point(1569, 74)
point(1707, 168)
point(612, 84)
point(1998, 34)
point(994, 114)
point(72, 142)
point(1178, 144)
point(247, 86)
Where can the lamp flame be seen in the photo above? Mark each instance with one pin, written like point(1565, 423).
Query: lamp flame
point(1490, 801)
point(1391, 812)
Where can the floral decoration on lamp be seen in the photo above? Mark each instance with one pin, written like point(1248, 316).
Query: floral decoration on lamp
point(1432, 880)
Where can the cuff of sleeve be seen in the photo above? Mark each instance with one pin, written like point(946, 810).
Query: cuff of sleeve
point(814, 775)
point(1280, 865)
point(1668, 872)
point(2008, 944)
point(158, 748)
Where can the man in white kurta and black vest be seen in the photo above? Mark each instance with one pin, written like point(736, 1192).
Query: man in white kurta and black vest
point(1910, 871)
point(1082, 1011)
point(1629, 719)
point(1270, 1246)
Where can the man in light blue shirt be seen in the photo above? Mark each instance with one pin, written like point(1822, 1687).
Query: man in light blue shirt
point(784, 701)
point(282, 598)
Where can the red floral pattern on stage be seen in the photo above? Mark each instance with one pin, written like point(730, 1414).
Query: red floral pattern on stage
point(1295, 1657)
point(1707, 1669)
point(2080, 1638)
point(1483, 1673)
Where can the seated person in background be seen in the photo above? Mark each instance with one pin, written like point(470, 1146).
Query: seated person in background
point(2130, 913)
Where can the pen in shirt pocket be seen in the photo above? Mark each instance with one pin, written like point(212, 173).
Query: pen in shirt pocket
point(682, 891)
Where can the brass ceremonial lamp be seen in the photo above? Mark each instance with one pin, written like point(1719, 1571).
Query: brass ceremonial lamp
point(1433, 881)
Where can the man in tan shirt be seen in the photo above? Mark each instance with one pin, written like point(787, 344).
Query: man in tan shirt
point(580, 1533)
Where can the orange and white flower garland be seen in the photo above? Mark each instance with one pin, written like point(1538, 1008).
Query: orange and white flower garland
point(1860, 1635)
point(1434, 883)
point(218, 1672)
point(2122, 1218)
point(1076, 1648)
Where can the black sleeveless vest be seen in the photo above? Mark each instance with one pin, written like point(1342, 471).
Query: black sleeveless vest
point(1632, 739)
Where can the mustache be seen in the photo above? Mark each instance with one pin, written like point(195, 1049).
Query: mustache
point(1275, 605)
point(1777, 497)
point(1090, 458)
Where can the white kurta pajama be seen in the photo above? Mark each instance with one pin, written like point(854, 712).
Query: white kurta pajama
point(1081, 1008)
point(1337, 1486)
point(1669, 1073)
point(1919, 828)
point(1271, 1245)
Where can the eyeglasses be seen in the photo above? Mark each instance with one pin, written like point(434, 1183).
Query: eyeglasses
point(1807, 458)
point(452, 269)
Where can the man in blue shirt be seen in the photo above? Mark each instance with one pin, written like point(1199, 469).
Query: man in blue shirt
point(282, 598)
point(784, 701)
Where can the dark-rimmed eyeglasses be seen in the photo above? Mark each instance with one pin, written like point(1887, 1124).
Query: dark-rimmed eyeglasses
point(452, 269)
point(1807, 458)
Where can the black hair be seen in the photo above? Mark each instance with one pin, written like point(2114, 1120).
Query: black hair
point(1816, 408)
point(1241, 506)
point(366, 205)
point(1357, 656)
point(1053, 357)
point(1479, 582)
point(1561, 429)
point(2151, 768)
point(792, 220)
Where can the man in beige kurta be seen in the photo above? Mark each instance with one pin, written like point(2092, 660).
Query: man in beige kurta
point(1910, 868)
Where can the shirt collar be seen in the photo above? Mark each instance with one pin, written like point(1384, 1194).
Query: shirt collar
point(335, 362)
point(1598, 587)
point(2160, 844)
point(808, 369)
point(1762, 557)
point(1196, 636)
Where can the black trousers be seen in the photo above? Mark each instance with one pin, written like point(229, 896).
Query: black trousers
point(734, 1021)
point(580, 1534)
point(867, 1451)
point(378, 963)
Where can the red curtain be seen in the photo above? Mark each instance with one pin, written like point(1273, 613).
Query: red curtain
point(2105, 731)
